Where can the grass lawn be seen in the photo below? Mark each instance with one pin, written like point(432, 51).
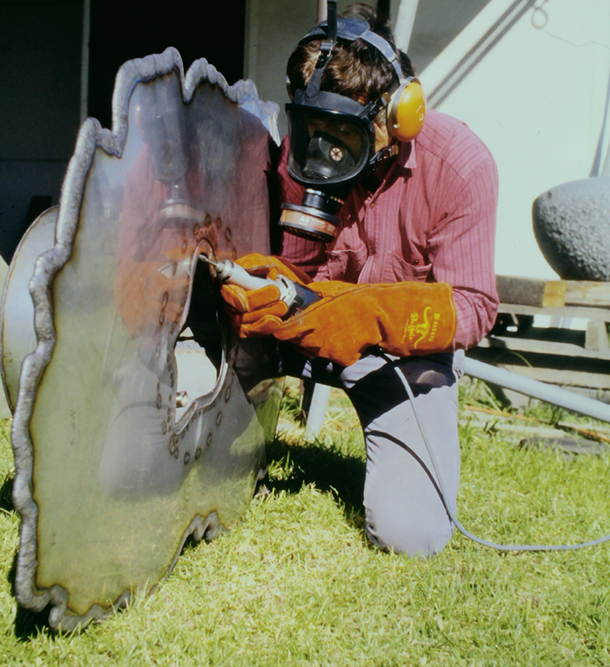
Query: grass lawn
point(295, 583)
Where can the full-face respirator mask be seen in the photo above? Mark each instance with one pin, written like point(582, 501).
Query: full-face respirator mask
point(332, 137)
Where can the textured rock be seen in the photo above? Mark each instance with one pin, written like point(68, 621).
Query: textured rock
point(572, 227)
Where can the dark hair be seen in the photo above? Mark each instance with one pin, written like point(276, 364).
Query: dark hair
point(356, 69)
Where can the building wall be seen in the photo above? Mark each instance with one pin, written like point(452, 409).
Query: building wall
point(530, 77)
point(272, 31)
point(40, 105)
point(274, 28)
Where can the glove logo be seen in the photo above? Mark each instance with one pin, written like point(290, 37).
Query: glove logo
point(424, 331)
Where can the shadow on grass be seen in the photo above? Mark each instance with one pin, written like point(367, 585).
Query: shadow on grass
point(6, 494)
point(328, 470)
point(28, 623)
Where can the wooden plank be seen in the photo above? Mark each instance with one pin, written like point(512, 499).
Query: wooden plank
point(553, 293)
point(597, 336)
point(586, 293)
point(531, 292)
point(597, 314)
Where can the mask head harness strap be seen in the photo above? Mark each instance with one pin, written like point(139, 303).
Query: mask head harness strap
point(404, 100)
point(332, 136)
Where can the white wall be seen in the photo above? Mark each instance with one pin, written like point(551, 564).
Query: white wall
point(536, 97)
point(538, 100)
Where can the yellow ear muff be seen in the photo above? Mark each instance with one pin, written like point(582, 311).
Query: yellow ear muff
point(407, 110)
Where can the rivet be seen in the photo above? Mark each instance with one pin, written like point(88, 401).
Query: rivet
point(228, 234)
point(208, 441)
point(185, 245)
point(234, 253)
point(196, 229)
point(187, 457)
point(208, 220)
point(218, 223)
point(159, 401)
point(162, 316)
point(165, 299)
point(171, 447)
point(218, 418)
point(227, 394)
point(176, 452)
point(197, 453)
point(164, 427)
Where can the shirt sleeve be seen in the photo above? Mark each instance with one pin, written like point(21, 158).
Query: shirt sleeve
point(463, 248)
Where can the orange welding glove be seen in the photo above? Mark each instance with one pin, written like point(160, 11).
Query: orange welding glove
point(402, 319)
point(259, 312)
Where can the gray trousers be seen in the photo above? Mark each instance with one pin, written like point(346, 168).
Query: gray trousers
point(403, 506)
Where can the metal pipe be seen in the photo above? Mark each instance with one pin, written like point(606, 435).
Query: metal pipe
point(404, 23)
point(317, 410)
point(321, 10)
point(545, 392)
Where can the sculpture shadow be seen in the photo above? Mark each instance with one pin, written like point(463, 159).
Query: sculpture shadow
point(330, 471)
point(28, 623)
point(6, 494)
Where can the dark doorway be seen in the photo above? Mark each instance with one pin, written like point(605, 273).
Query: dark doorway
point(124, 29)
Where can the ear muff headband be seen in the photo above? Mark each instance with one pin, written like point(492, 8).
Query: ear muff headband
point(406, 105)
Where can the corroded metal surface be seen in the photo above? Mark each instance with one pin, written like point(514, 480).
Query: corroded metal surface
point(572, 227)
point(112, 473)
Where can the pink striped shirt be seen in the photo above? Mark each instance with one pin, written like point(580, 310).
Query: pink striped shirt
point(432, 219)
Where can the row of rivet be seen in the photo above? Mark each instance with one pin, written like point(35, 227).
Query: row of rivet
point(199, 233)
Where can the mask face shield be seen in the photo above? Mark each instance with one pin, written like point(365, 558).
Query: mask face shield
point(327, 148)
point(329, 151)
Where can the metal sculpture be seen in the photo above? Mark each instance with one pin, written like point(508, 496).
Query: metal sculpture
point(138, 418)
point(572, 224)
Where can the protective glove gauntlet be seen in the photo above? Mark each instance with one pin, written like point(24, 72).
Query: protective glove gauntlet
point(403, 319)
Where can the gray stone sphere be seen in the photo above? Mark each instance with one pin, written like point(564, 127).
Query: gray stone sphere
point(572, 227)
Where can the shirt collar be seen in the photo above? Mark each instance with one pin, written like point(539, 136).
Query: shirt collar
point(406, 157)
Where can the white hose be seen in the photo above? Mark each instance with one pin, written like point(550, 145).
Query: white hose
point(476, 366)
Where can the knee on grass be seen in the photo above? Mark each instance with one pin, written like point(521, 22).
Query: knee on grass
point(410, 538)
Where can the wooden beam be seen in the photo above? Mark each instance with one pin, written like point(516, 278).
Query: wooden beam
point(531, 292)
point(580, 292)
point(553, 293)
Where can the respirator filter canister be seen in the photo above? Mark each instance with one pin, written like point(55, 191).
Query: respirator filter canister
point(329, 150)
